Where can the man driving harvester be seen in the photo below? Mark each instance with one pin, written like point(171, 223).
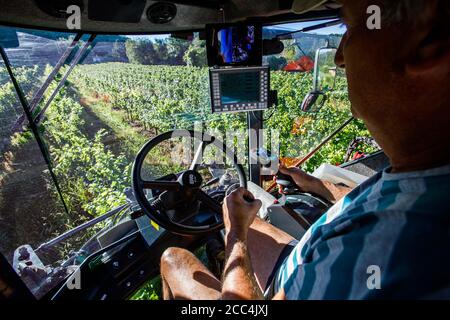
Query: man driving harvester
point(396, 225)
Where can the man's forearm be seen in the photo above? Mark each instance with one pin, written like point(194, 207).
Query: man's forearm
point(330, 191)
point(238, 279)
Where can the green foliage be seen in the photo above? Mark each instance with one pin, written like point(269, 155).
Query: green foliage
point(161, 98)
point(276, 62)
point(157, 97)
point(195, 56)
point(118, 50)
point(10, 107)
point(140, 52)
point(91, 177)
point(150, 291)
point(168, 51)
point(290, 53)
point(176, 49)
point(300, 132)
point(21, 139)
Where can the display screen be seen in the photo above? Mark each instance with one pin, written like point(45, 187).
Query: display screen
point(237, 44)
point(239, 87)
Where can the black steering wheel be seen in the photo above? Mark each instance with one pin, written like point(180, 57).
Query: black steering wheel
point(183, 194)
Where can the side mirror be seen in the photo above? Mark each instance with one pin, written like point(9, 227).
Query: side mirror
point(272, 46)
point(313, 101)
point(325, 69)
point(323, 81)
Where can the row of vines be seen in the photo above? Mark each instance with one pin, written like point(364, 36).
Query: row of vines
point(161, 98)
point(91, 177)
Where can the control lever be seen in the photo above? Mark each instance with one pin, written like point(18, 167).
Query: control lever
point(264, 158)
point(284, 180)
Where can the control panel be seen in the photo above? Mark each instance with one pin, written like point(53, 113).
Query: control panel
point(239, 89)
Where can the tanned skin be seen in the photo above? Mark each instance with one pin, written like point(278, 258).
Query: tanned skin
point(308, 183)
point(398, 85)
point(239, 282)
point(185, 277)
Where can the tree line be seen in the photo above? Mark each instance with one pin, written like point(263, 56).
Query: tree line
point(169, 51)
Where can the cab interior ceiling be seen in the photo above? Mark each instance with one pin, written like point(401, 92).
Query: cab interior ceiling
point(134, 16)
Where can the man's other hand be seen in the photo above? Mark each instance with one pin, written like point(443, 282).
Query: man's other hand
point(239, 211)
point(310, 184)
point(306, 182)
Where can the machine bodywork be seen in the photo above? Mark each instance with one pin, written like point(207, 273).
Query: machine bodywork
point(191, 15)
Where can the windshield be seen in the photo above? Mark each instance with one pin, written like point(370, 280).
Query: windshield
point(123, 91)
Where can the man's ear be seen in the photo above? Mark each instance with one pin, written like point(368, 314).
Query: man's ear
point(431, 54)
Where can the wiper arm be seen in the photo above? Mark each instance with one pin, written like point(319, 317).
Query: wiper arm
point(81, 227)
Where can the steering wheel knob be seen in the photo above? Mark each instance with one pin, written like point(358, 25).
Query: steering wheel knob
point(190, 179)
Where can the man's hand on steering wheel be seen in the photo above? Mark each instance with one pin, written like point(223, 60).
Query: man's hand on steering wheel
point(239, 210)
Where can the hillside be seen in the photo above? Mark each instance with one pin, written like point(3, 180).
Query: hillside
point(40, 48)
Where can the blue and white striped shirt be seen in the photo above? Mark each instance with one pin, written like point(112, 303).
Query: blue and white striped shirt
point(397, 223)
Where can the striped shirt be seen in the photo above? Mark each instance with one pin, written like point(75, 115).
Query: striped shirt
point(388, 238)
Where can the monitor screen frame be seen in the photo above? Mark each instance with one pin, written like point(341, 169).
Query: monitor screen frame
point(212, 42)
point(212, 82)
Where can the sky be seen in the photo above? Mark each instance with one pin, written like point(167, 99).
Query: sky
point(339, 29)
point(149, 37)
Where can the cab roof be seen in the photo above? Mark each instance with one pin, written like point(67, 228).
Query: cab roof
point(132, 16)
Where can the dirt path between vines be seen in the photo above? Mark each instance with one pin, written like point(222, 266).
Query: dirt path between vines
point(92, 124)
point(26, 202)
point(30, 211)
